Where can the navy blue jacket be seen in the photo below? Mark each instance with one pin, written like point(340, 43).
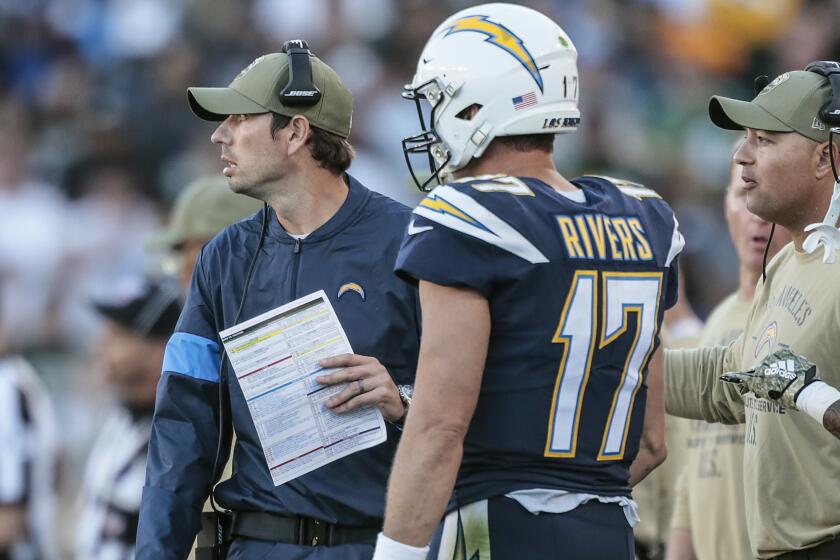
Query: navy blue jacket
point(357, 245)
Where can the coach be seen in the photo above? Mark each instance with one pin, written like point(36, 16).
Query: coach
point(791, 463)
point(283, 137)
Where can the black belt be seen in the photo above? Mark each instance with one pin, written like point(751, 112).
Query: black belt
point(298, 530)
point(826, 551)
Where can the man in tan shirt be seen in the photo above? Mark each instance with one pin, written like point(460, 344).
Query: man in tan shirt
point(654, 495)
point(709, 521)
point(791, 463)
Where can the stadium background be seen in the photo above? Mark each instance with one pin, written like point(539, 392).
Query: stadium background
point(96, 138)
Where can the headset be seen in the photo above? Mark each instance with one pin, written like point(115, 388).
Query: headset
point(829, 113)
point(300, 91)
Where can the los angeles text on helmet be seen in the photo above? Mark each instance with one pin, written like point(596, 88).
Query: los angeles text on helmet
point(561, 122)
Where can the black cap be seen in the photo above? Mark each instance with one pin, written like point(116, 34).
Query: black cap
point(147, 306)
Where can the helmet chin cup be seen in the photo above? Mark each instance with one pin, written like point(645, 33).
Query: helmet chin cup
point(428, 143)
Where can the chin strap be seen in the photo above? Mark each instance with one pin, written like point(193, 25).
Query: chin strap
point(826, 232)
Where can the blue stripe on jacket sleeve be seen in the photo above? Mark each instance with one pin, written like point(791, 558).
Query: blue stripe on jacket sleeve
point(193, 356)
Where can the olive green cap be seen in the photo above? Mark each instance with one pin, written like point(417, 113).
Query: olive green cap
point(203, 209)
point(790, 103)
point(257, 90)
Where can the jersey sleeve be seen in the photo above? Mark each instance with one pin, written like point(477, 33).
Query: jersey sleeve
point(453, 239)
point(675, 247)
point(185, 431)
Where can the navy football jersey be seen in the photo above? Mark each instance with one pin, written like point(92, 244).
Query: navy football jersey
point(576, 291)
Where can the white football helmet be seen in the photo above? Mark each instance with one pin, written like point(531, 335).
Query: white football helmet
point(514, 63)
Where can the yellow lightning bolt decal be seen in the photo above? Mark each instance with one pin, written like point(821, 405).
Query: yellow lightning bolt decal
point(499, 35)
point(442, 206)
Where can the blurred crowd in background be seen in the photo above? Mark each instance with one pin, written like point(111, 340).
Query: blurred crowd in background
point(96, 139)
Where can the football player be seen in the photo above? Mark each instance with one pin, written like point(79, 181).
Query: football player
point(539, 380)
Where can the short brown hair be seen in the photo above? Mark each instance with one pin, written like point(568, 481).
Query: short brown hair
point(528, 142)
point(332, 152)
point(519, 142)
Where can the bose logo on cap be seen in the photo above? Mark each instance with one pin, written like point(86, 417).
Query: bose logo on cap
point(301, 93)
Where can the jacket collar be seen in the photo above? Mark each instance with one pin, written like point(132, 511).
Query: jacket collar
point(357, 197)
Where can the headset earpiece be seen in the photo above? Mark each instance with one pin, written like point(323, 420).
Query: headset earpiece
point(300, 91)
point(830, 112)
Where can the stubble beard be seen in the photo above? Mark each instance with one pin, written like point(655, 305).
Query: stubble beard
point(758, 204)
point(245, 188)
point(789, 214)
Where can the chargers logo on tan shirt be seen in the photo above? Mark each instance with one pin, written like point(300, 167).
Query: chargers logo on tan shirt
point(767, 340)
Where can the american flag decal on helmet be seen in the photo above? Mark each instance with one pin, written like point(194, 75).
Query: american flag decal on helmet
point(523, 101)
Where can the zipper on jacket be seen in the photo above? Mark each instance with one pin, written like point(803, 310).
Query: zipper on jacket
point(295, 267)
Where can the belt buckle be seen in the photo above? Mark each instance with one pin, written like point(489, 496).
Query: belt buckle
point(316, 532)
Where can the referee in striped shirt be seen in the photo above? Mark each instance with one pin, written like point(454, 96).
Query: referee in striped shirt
point(27, 464)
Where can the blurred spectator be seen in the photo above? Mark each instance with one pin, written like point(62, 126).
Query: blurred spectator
point(140, 316)
point(719, 34)
point(27, 464)
point(108, 220)
point(203, 209)
point(31, 233)
point(655, 494)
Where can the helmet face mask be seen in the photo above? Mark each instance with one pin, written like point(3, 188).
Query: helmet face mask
point(427, 140)
point(514, 64)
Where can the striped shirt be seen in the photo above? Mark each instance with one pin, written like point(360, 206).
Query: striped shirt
point(28, 460)
point(112, 487)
